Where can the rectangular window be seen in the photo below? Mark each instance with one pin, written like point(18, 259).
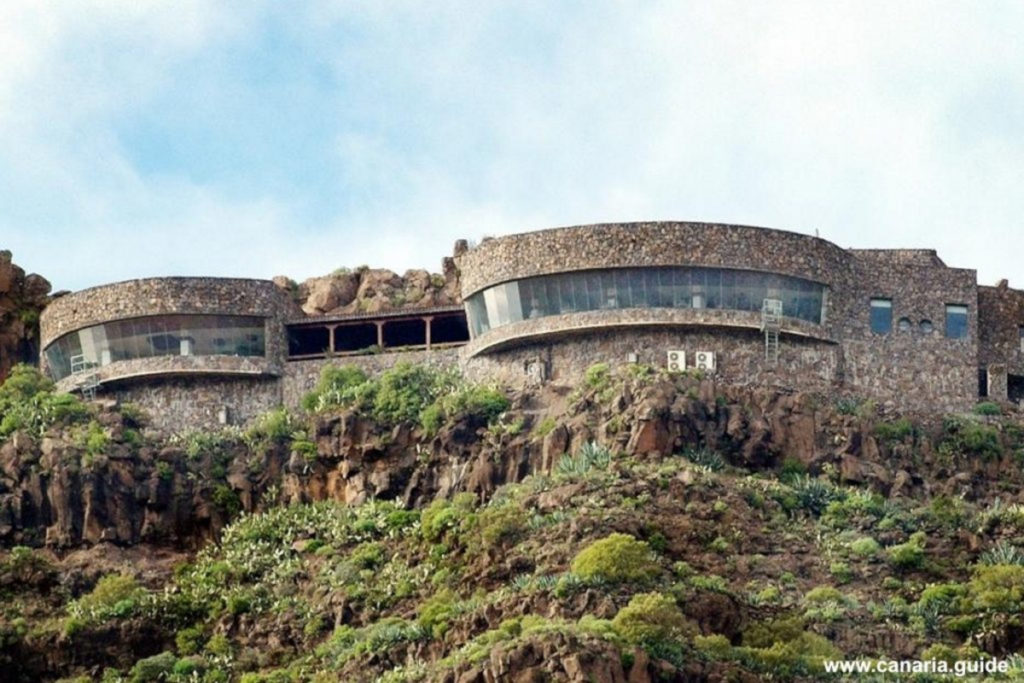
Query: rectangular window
point(1021, 331)
point(956, 321)
point(881, 316)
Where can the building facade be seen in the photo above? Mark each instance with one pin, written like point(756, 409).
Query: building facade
point(752, 305)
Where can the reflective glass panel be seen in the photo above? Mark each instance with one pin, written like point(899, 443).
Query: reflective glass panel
point(658, 287)
point(165, 335)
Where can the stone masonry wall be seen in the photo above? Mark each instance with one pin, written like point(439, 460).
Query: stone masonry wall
point(156, 296)
point(808, 364)
point(177, 404)
point(914, 369)
point(1000, 317)
point(615, 245)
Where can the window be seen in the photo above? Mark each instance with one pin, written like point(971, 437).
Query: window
point(904, 325)
point(926, 327)
point(656, 287)
point(956, 321)
point(881, 316)
point(163, 335)
point(1020, 330)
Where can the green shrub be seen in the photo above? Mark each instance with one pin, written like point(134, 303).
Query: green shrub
point(792, 468)
point(651, 619)
point(895, 430)
point(153, 669)
point(28, 403)
point(114, 596)
point(403, 391)
point(436, 613)
point(597, 376)
point(997, 588)
point(276, 426)
point(337, 387)
point(865, 547)
point(482, 403)
point(615, 558)
point(442, 515)
point(189, 640)
point(987, 408)
point(502, 524)
point(909, 555)
point(841, 571)
point(967, 437)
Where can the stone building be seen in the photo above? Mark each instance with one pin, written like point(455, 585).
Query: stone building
point(753, 305)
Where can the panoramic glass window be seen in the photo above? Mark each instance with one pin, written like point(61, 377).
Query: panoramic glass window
point(881, 316)
point(660, 287)
point(161, 335)
point(956, 321)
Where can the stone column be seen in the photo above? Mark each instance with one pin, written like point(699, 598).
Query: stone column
point(380, 334)
point(427, 320)
point(997, 390)
point(330, 339)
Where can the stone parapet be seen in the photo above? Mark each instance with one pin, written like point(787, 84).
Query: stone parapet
point(616, 245)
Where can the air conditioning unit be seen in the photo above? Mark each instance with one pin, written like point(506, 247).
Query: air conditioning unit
point(704, 360)
point(676, 361)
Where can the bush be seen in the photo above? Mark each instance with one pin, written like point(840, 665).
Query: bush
point(997, 588)
point(792, 469)
point(442, 515)
point(114, 596)
point(153, 669)
point(865, 547)
point(28, 403)
point(988, 408)
point(616, 558)
point(337, 387)
point(909, 555)
point(597, 376)
point(894, 431)
point(970, 438)
point(652, 619)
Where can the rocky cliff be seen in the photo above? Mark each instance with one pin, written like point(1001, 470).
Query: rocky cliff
point(22, 298)
point(371, 290)
point(640, 527)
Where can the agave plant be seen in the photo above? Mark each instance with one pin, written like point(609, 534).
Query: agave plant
point(1002, 553)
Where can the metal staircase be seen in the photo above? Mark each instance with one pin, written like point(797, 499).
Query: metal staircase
point(771, 322)
point(87, 379)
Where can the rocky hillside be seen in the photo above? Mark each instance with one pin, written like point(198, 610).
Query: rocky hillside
point(371, 290)
point(22, 298)
point(411, 527)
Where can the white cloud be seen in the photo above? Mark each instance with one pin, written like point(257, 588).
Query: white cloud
point(880, 124)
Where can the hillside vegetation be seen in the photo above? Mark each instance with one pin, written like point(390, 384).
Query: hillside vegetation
point(642, 526)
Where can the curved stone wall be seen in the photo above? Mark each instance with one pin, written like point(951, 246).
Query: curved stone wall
point(607, 248)
point(614, 245)
point(142, 299)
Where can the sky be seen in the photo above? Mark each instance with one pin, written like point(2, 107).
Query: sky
point(261, 138)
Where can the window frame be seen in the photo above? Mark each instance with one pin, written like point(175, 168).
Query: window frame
point(880, 303)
